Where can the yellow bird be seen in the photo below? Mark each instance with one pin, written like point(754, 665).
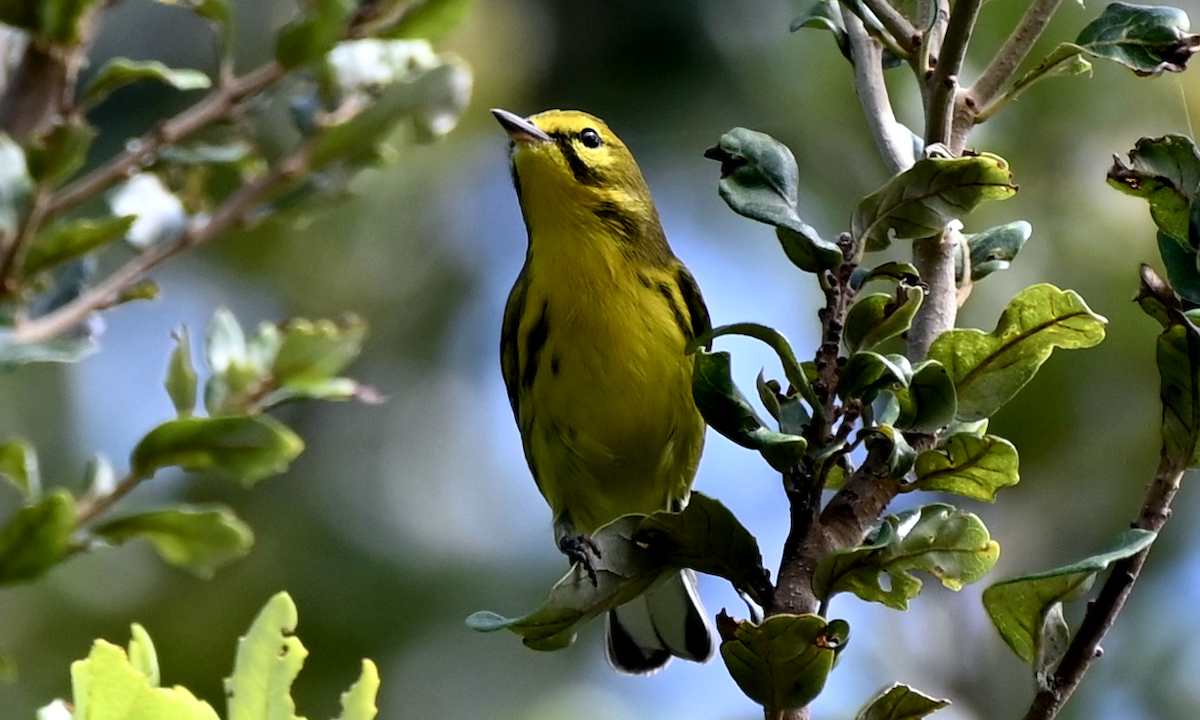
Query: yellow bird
point(592, 351)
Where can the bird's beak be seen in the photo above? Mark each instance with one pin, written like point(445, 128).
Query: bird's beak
point(518, 128)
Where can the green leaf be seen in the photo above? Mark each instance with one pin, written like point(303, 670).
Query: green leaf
point(269, 657)
point(142, 656)
point(825, 15)
point(759, 180)
point(1165, 171)
point(792, 368)
point(70, 239)
point(358, 703)
point(1147, 40)
point(36, 538)
point(200, 541)
point(866, 374)
point(1027, 610)
point(993, 249)
point(952, 545)
point(245, 448)
point(1178, 358)
point(430, 19)
point(920, 201)
point(181, 380)
point(878, 317)
point(623, 569)
point(19, 465)
point(728, 412)
point(707, 537)
point(312, 352)
point(106, 686)
point(788, 409)
point(782, 663)
point(929, 402)
point(988, 369)
point(968, 465)
point(884, 442)
point(321, 25)
point(56, 155)
point(894, 272)
point(61, 21)
point(1066, 59)
point(900, 702)
point(119, 72)
point(16, 185)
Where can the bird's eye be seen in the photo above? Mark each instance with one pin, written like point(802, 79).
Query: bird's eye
point(590, 138)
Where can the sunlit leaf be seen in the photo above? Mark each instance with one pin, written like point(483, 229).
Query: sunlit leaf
point(142, 656)
point(430, 19)
point(106, 686)
point(269, 657)
point(198, 540)
point(782, 663)
point(988, 369)
point(245, 448)
point(967, 465)
point(358, 703)
point(19, 466)
point(900, 702)
point(120, 71)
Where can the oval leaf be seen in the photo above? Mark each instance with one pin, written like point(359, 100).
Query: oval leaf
point(36, 538)
point(1147, 40)
point(1165, 171)
point(919, 202)
point(900, 702)
point(19, 465)
point(968, 465)
point(988, 369)
point(244, 448)
point(878, 317)
point(782, 663)
point(197, 540)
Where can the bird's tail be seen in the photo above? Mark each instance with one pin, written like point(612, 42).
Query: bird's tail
point(667, 620)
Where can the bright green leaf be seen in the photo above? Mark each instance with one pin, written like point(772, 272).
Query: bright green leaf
point(623, 569)
point(920, 201)
point(310, 353)
point(119, 72)
point(36, 538)
point(61, 21)
point(70, 239)
point(358, 703)
point(430, 19)
point(269, 656)
point(142, 656)
point(988, 369)
point(1147, 40)
point(729, 413)
point(245, 448)
point(1027, 610)
point(968, 465)
point(200, 541)
point(106, 686)
point(708, 538)
point(181, 379)
point(900, 702)
point(782, 663)
point(760, 180)
point(19, 465)
point(952, 545)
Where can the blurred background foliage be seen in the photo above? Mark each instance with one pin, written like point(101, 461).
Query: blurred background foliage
point(403, 518)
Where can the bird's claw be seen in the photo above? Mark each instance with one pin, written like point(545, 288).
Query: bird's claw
point(579, 549)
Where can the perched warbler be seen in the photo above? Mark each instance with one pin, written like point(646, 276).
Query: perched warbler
point(592, 351)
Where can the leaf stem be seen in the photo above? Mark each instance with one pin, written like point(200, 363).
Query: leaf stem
point(1010, 55)
point(893, 139)
point(1102, 612)
point(93, 507)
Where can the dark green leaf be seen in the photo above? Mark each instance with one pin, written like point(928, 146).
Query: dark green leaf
point(321, 25)
point(20, 13)
point(729, 413)
point(788, 410)
point(993, 249)
point(968, 465)
point(199, 540)
point(900, 702)
point(988, 369)
point(36, 538)
point(759, 180)
point(61, 21)
point(708, 538)
point(624, 570)
point(866, 374)
point(430, 19)
point(243, 448)
point(929, 402)
point(893, 272)
point(883, 441)
point(181, 375)
point(878, 317)
point(1147, 40)
point(943, 541)
point(119, 72)
point(792, 368)
point(920, 201)
point(1027, 610)
point(1181, 262)
point(58, 154)
point(70, 239)
point(782, 663)
point(19, 465)
point(1165, 171)
point(1178, 357)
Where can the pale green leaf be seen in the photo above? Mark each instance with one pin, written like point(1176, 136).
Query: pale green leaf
point(244, 448)
point(198, 540)
point(269, 657)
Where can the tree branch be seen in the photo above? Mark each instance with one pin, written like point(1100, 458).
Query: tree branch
point(907, 36)
point(1011, 54)
point(939, 113)
point(893, 139)
point(1102, 613)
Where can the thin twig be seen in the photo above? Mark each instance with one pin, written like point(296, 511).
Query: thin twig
point(92, 508)
point(217, 106)
point(907, 36)
point(944, 83)
point(1102, 613)
point(234, 210)
point(893, 139)
point(14, 252)
point(1012, 53)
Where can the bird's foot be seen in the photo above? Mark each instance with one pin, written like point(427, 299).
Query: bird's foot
point(580, 549)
